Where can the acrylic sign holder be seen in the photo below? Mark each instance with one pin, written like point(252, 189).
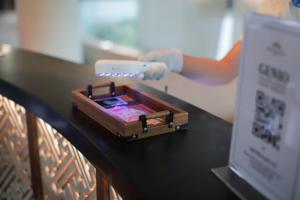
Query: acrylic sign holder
point(236, 184)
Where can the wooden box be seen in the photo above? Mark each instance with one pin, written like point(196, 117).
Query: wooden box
point(128, 113)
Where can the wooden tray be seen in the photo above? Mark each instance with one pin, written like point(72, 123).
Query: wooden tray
point(143, 115)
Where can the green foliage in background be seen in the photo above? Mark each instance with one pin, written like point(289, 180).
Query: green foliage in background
point(123, 32)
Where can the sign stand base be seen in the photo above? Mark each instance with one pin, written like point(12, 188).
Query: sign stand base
point(236, 184)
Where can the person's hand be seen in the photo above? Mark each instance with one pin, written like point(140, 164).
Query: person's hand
point(172, 59)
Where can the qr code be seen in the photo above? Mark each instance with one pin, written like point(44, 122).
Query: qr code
point(268, 121)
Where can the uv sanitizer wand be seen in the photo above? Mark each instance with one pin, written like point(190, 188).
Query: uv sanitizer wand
point(123, 68)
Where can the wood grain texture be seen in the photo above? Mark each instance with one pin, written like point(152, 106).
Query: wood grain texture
point(102, 186)
point(15, 173)
point(36, 177)
point(66, 173)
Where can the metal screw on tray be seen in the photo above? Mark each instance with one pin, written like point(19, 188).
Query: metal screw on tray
point(134, 136)
point(166, 88)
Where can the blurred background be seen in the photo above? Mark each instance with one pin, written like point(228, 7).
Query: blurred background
point(83, 31)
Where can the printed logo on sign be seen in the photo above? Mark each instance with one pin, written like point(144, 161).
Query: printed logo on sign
point(276, 49)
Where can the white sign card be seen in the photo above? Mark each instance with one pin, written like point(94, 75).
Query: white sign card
point(265, 144)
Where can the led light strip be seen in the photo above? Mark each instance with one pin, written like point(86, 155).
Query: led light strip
point(131, 75)
point(124, 68)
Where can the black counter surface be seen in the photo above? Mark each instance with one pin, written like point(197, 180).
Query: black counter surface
point(171, 166)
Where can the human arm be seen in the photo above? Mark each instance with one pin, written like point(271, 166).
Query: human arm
point(199, 69)
point(210, 71)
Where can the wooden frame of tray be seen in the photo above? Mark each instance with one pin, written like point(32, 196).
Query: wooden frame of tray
point(174, 118)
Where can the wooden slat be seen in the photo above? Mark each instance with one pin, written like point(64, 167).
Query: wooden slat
point(36, 177)
point(102, 186)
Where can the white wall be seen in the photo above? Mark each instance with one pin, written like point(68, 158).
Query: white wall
point(51, 27)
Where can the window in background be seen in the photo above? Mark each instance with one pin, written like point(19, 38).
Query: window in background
point(8, 23)
point(205, 28)
point(114, 20)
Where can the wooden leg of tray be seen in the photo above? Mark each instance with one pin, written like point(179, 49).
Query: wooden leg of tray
point(36, 178)
point(102, 186)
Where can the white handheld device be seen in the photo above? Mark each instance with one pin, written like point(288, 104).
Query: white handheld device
point(123, 68)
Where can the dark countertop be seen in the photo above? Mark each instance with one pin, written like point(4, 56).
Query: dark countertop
point(171, 166)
